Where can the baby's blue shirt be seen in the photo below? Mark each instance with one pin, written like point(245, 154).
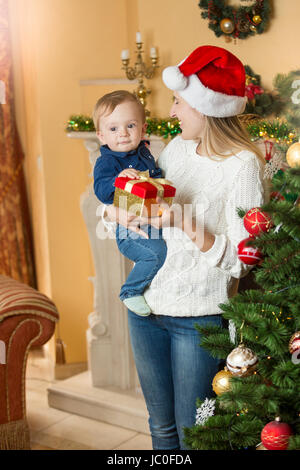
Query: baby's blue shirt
point(111, 163)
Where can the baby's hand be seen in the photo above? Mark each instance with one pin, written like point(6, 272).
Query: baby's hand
point(129, 173)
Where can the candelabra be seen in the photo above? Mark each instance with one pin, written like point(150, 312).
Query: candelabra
point(140, 70)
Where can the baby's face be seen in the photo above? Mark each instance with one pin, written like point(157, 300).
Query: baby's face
point(123, 129)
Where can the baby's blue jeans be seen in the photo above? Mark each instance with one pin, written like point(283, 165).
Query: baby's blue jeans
point(148, 254)
point(173, 371)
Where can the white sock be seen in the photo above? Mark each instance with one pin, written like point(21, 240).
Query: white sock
point(138, 305)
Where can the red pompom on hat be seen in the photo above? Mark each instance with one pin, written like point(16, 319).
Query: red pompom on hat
point(211, 80)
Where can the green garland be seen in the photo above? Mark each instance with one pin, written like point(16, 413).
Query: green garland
point(162, 127)
point(244, 21)
point(80, 123)
point(279, 132)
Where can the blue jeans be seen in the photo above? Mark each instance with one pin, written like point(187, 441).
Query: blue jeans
point(173, 371)
point(148, 254)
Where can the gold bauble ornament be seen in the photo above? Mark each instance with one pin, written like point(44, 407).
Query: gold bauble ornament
point(242, 361)
point(253, 27)
point(221, 382)
point(293, 155)
point(256, 19)
point(227, 25)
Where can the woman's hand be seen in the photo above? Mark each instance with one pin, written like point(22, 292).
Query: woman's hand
point(171, 216)
point(128, 220)
point(174, 217)
point(129, 173)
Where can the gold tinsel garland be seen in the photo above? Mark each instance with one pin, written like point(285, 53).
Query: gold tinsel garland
point(161, 127)
point(278, 131)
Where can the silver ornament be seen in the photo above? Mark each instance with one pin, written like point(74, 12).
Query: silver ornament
point(241, 361)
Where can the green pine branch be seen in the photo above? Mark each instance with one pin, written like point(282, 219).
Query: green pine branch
point(215, 340)
point(294, 443)
point(284, 89)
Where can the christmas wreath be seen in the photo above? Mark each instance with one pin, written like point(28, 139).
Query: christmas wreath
point(236, 22)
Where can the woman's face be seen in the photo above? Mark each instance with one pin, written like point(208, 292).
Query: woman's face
point(191, 120)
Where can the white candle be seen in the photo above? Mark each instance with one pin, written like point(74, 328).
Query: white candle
point(153, 53)
point(125, 54)
point(138, 37)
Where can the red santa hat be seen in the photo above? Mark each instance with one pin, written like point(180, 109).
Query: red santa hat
point(211, 80)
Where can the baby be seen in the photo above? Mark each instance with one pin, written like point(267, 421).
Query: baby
point(119, 119)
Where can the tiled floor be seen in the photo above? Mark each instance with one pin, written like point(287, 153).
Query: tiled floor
point(54, 429)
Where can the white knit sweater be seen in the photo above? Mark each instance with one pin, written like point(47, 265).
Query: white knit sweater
point(191, 282)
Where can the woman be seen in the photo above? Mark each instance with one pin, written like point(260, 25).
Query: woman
point(215, 169)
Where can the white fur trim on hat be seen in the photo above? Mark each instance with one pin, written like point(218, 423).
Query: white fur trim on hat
point(207, 101)
point(174, 79)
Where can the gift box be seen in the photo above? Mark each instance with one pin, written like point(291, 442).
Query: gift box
point(139, 195)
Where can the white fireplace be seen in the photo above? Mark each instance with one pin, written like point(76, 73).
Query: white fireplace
point(109, 391)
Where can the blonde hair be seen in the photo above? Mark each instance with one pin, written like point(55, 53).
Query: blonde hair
point(227, 134)
point(107, 103)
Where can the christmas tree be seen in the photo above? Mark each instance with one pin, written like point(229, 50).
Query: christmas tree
point(287, 89)
point(261, 347)
point(260, 101)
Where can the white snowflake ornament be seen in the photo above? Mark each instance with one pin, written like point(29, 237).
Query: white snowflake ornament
point(273, 165)
point(206, 410)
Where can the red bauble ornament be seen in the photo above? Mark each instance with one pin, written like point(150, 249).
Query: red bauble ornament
point(249, 254)
point(275, 435)
point(257, 221)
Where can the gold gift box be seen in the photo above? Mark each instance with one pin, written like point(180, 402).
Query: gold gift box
point(125, 198)
point(138, 205)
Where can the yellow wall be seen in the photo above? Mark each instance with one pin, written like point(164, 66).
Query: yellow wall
point(57, 43)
